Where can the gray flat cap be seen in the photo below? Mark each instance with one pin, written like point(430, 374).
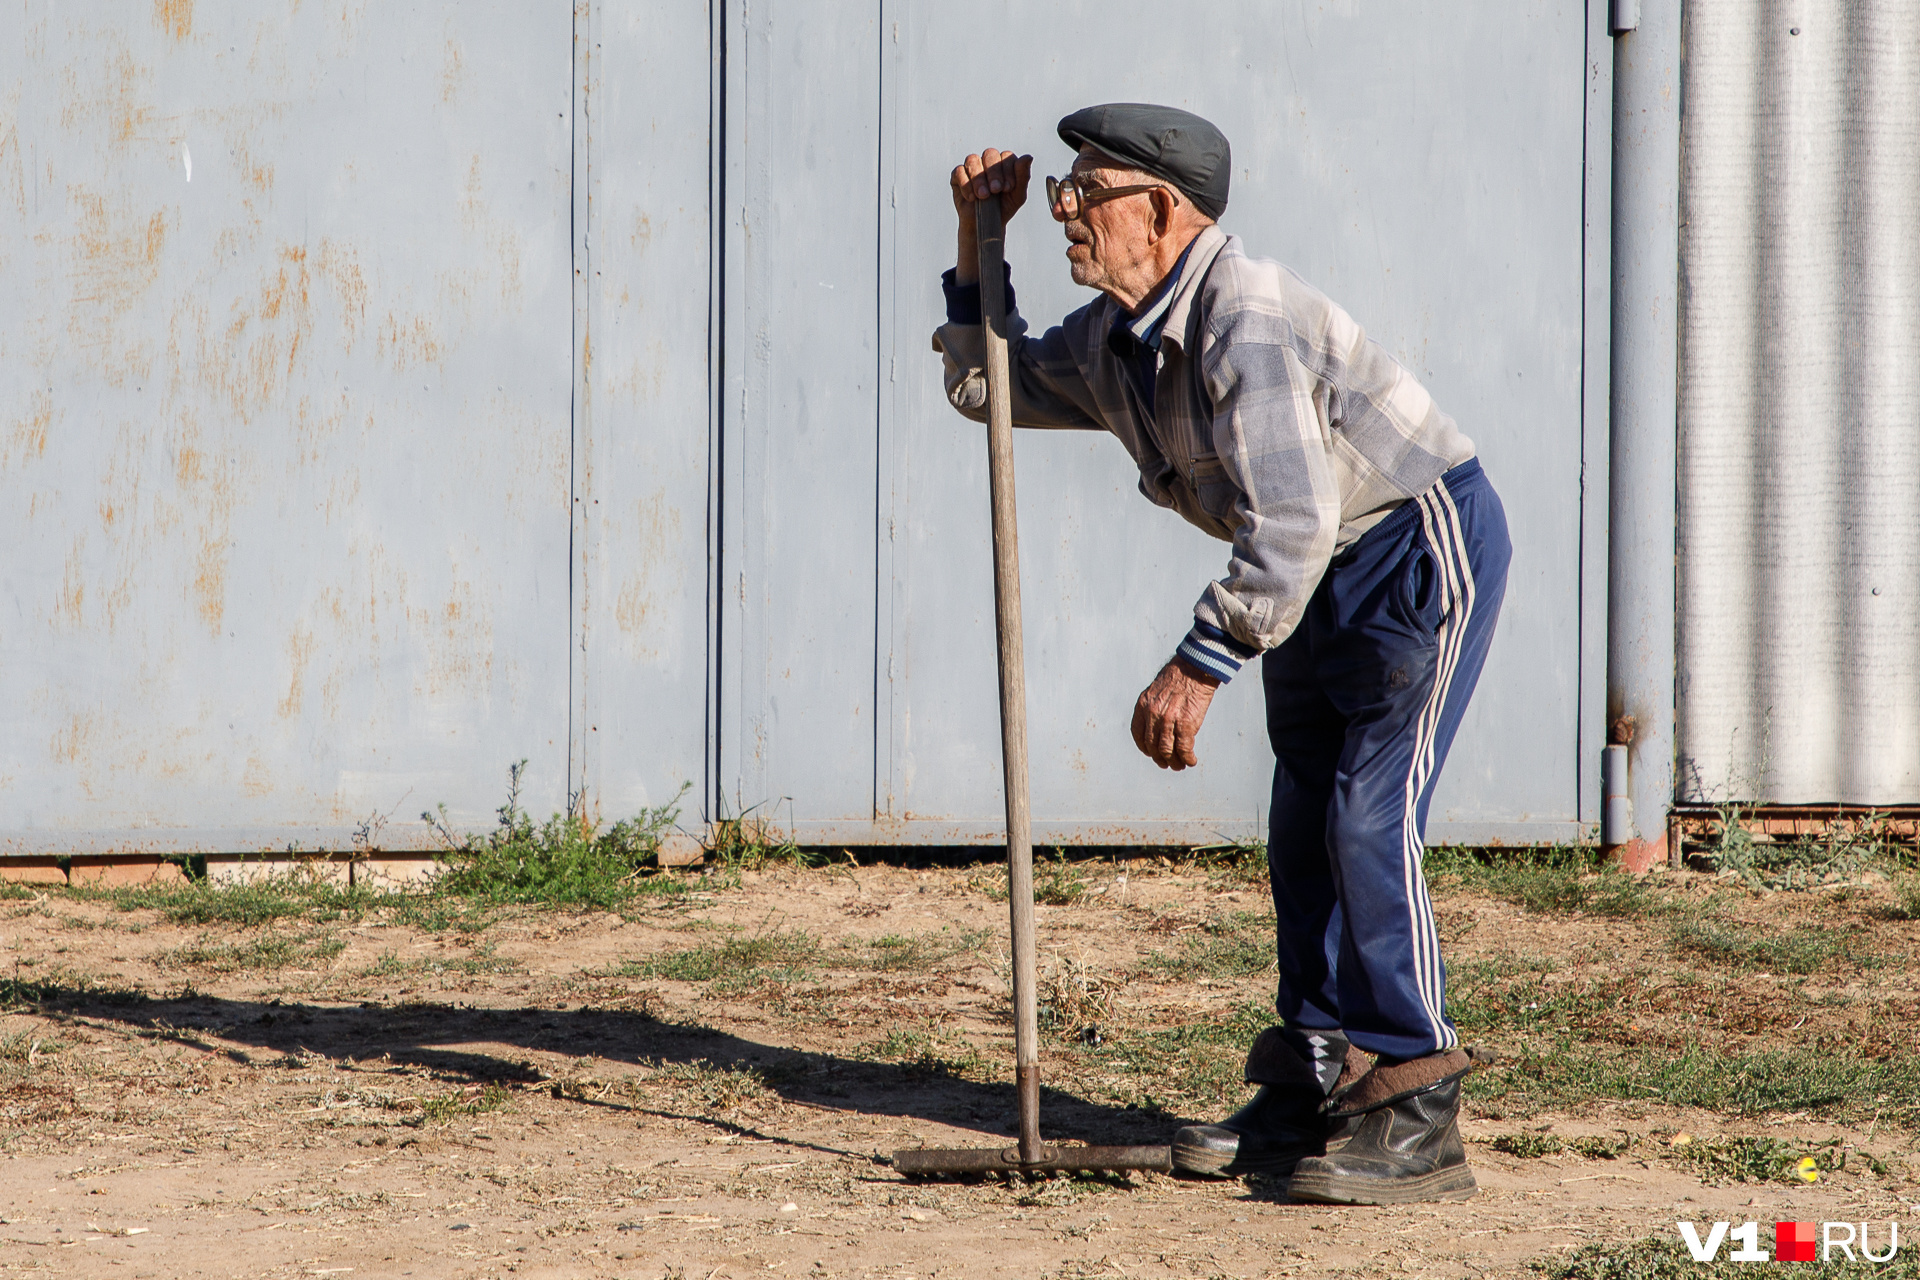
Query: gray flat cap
point(1167, 142)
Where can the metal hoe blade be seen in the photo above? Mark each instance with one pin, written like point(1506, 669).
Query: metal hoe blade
point(1030, 1154)
point(1053, 1159)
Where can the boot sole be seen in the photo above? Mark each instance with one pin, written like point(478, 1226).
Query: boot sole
point(1455, 1183)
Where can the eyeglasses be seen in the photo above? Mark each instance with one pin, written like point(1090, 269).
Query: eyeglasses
point(1069, 199)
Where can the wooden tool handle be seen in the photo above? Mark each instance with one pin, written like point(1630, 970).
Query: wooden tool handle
point(991, 230)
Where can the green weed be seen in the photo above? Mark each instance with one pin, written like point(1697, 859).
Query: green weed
point(716, 1088)
point(472, 1101)
point(1752, 1159)
point(738, 964)
point(750, 843)
point(566, 861)
point(1906, 897)
point(1239, 860)
point(1567, 1073)
point(1528, 1146)
point(924, 1052)
point(915, 953)
point(253, 903)
point(267, 951)
point(1799, 950)
point(1057, 882)
point(1666, 1258)
point(1201, 1062)
point(1233, 946)
point(1839, 854)
point(27, 1048)
point(480, 962)
point(1554, 880)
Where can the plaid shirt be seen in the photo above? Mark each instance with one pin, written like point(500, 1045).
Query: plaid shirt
point(1275, 424)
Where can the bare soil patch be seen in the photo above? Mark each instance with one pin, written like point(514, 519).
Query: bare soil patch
point(708, 1083)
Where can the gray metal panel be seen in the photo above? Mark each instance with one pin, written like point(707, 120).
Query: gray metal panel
point(284, 447)
point(1426, 168)
point(1799, 464)
point(798, 472)
point(642, 442)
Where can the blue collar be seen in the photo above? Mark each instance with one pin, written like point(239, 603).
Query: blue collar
point(1145, 328)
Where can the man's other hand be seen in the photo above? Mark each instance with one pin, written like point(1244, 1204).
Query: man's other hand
point(1168, 715)
point(980, 177)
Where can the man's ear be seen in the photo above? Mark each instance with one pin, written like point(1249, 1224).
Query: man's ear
point(1164, 211)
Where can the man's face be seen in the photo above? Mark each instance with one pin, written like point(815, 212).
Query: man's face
point(1109, 240)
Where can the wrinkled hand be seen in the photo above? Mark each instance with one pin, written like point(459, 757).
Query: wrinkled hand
point(980, 177)
point(1169, 712)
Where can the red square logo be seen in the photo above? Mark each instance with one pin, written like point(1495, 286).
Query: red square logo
point(1793, 1242)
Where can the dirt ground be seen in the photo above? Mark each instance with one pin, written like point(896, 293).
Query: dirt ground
point(710, 1084)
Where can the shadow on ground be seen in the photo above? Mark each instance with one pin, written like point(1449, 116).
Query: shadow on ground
point(476, 1046)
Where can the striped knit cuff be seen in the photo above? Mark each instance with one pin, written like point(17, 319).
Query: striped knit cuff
point(1215, 652)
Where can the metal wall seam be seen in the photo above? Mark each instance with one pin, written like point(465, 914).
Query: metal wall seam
point(717, 240)
point(741, 268)
point(580, 541)
point(1596, 342)
point(889, 500)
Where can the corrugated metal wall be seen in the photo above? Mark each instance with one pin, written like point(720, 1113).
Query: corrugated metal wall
point(552, 380)
point(1799, 651)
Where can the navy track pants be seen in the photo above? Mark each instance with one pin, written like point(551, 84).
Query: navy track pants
point(1363, 701)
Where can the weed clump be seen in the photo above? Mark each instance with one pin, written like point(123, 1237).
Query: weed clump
point(268, 951)
point(1057, 882)
point(1075, 1000)
point(1837, 855)
point(566, 861)
point(916, 953)
point(1802, 950)
point(1666, 1258)
point(1753, 1159)
point(1555, 880)
point(1238, 945)
point(736, 965)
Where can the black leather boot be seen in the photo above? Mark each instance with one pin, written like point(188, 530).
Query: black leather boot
point(1287, 1119)
point(1405, 1147)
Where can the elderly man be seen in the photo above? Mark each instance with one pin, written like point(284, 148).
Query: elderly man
point(1369, 557)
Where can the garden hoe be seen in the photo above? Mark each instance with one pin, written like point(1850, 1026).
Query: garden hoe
point(1030, 1155)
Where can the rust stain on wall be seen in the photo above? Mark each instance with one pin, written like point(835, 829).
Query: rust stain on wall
point(10, 149)
point(251, 359)
point(115, 98)
point(70, 606)
point(72, 743)
point(258, 174)
point(299, 653)
point(452, 73)
point(340, 265)
point(636, 610)
point(116, 258)
point(500, 238)
point(410, 341)
point(175, 17)
point(27, 440)
point(461, 656)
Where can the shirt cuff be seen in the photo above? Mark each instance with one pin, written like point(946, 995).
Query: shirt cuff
point(963, 300)
point(1215, 652)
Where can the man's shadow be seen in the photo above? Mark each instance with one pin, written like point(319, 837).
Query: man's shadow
point(434, 1038)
